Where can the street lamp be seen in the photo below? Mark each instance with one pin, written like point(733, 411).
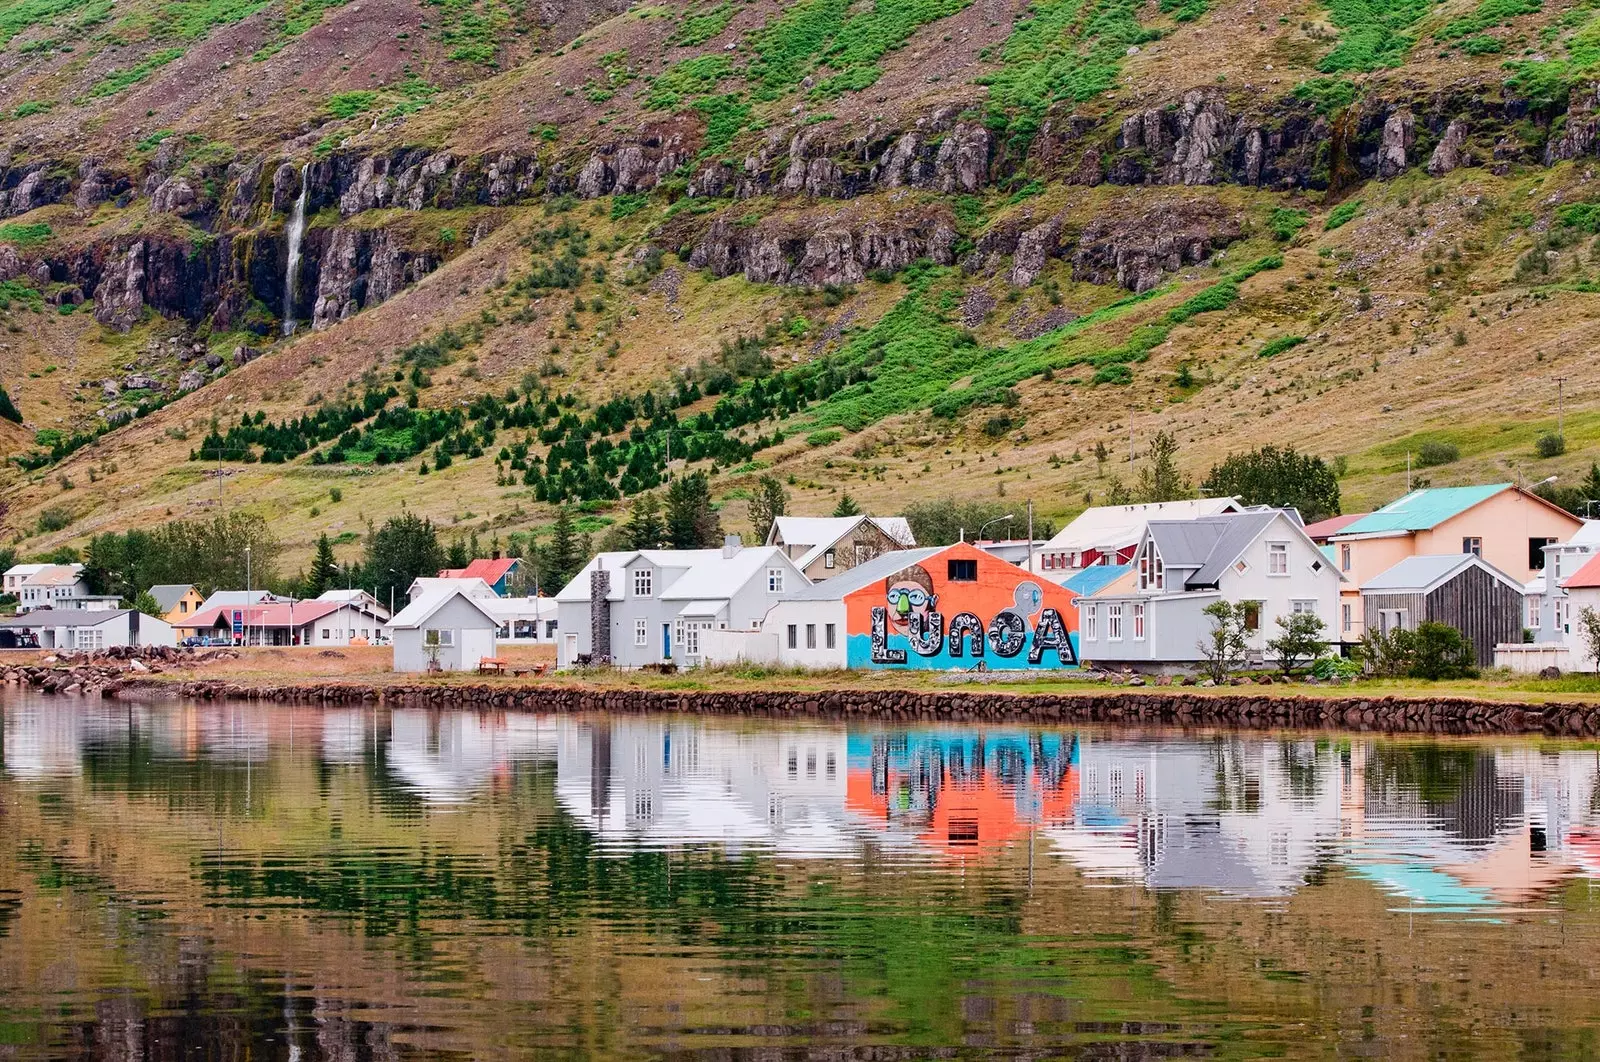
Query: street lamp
point(247, 595)
point(996, 520)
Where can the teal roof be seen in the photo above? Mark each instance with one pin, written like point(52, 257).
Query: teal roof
point(1089, 581)
point(1423, 509)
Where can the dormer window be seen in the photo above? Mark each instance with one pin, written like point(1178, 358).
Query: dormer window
point(1152, 574)
point(643, 582)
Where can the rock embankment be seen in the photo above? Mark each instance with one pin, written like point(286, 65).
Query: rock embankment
point(1160, 706)
point(106, 673)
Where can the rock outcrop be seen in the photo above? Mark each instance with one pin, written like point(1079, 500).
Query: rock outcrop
point(1399, 133)
point(819, 251)
point(1138, 251)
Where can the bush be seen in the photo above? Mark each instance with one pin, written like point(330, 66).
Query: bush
point(1550, 444)
point(1433, 452)
point(1441, 652)
point(54, 518)
point(1342, 214)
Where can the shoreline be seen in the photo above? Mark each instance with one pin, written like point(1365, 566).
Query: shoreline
point(1238, 707)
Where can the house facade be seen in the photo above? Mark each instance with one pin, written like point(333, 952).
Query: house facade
point(51, 586)
point(1109, 534)
point(82, 630)
point(1462, 590)
point(648, 607)
point(11, 581)
point(496, 572)
point(1155, 615)
point(446, 629)
point(942, 607)
point(177, 602)
point(1505, 525)
point(822, 546)
point(285, 623)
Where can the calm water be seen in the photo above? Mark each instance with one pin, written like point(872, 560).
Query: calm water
point(188, 881)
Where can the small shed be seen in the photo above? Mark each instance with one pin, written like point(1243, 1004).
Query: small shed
point(1460, 589)
point(445, 626)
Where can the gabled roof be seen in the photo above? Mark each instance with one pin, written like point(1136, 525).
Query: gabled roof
point(823, 531)
point(55, 575)
point(1332, 525)
point(490, 571)
point(275, 614)
point(1586, 577)
point(1425, 573)
point(1091, 580)
point(1111, 527)
point(717, 578)
point(237, 598)
point(474, 587)
point(1424, 509)
point(68, 617)
point(24, 570)
point(432, 600)
point(168, 595)
point(577, 588)
point(875, 570)
point(1205, 548)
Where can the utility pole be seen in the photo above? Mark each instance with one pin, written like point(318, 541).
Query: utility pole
point(1030, 536)
point(1408, 471)
point(1561, 408)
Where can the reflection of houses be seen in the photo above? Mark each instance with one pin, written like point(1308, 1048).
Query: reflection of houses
point(451, 757)
point(962, 793)
point(653, 782)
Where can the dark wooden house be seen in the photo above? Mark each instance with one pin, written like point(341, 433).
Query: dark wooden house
point(1460, 589)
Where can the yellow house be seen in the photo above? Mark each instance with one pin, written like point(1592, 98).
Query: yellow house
point(177, 602)
point(1500, 522)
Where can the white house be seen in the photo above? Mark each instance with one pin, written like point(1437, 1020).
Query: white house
point(11, 581)
point(652, 606)
point(359, 598)
point(82, 629)
point(1156, 615)
point(446, 629)
point(286, 622)
point(1108, 534)
point(523, 620)
point(51, 586)
point(1547, 613)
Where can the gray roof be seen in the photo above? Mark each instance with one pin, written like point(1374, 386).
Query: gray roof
point(1208, 545)
point(1425, 573)
point(167, 595)
point(852, 579)
point(64, 617)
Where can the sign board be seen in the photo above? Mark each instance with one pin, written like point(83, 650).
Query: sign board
point(238, 622)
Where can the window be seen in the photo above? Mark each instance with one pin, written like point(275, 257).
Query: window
point(1392, 619)
point(828, 560)
point(691, 638)
point(183, 607)
point(641, 632)
point(774, 580)
point(811, 636)
point(1277, 558)
point(1533, 613)
point(1344, 557)
point(1347, 615)
point(444, 638)
point(1241, 567)
point(962, 571)
point(1252, 615)
point(1091, 622)
point(1114, 623)
point(325, 633)
point(1472, 544)
point(794, 636)
point(1536, 552)
point(1297, 608)
point(828, 636)
point(89, 638)
point(1158, 572)
point(1138, 622)
point(643, 582)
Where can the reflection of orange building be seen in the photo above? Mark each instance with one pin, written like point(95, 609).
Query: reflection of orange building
point(961, 793)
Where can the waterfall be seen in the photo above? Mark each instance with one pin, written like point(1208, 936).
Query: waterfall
point(296, 230)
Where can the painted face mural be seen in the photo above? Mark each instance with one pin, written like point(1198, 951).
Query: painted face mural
point(961, 609)
point(910, 595)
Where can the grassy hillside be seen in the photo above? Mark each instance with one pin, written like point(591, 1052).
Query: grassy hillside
point(1228, 221)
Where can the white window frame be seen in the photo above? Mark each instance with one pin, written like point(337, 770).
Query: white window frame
point(691, 639)
point(1138, 621)
point(1091, 623)
point(1278, 560)
point(811, 636)
point(774, 580)
point(830, 636)
point(644, 582)
point(1346, 557)
point(829, 559)
point(1347, 615)
point(641, 632)
point(1114, 623)
point(1303, 605)
point(794, 636)
point(1472, 544)
point(1534, 608)
point(446, 637)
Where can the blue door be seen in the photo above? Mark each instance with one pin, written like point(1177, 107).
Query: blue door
point(666, 641)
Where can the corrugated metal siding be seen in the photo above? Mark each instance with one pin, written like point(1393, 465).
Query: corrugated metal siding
point(1477, 604)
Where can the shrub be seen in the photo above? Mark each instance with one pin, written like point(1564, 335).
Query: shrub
point(1550, 444)
point(1434, 452)
point(1439, 651)
point(1342, 214)
point(54, 518)
point(1274, 347)
point(1285, 222)
point(824, 438)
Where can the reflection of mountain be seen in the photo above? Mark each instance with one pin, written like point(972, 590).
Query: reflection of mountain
point(653, 782)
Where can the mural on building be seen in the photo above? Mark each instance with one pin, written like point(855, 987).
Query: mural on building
point(961, 792)
point(961, 608)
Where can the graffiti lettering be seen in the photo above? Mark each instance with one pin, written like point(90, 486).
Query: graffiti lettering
point(881, 653)
point(1008, 633)
point(1051, 633)
point(926, 634)
point(967, 626)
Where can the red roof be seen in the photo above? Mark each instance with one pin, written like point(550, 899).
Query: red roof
point(490, 571)
point(1585, 577)
point(279, 615)
point(1331, 526)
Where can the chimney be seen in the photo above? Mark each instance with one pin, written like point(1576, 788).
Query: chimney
point(600, 616)
point(731, 544)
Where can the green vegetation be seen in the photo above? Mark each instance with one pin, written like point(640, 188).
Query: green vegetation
point(1490, 13)
point(865, 37)
point(1274, 347)
point(31, 107)
point(189, 20)
point(1546, 82)
point(24, 235)
point(1326, 94)
point(350, 104)
point(1372, 33)
point(1285, 222)
point(298, 16)
point(18, 291)
point(1066, 50)
point(625, 206)
point(690, 78)
point(25, 14)
point(700, 26)
point(1342, 214)
point(725, 116)
point(1582, 216)
point(1435, 452)
point(114, 83)
point(470, 29)
point(8, 409)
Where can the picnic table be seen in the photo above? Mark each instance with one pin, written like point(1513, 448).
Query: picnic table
point(491, 665)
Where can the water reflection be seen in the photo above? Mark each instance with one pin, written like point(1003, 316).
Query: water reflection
point(365, 883)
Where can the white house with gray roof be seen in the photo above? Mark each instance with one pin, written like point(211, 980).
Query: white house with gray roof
point(636, 608)
point(1156, 615)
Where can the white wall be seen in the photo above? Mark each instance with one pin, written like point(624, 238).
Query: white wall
point(343, 625)
point(473, 632)
point(727, 647)
point(800, 614)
